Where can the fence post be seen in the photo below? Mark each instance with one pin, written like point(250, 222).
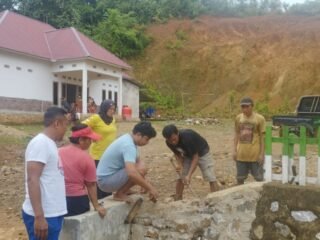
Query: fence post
point(268, 155)
point(285, 157)
point(318, 138)
point(302, 156)
point(291, 155)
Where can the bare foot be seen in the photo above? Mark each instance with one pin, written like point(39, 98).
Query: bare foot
point(130, 192)
point(122, 198)
point(176, 197)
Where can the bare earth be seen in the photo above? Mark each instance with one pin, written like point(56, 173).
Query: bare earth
point(155, 154)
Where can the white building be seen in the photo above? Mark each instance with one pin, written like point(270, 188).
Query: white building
point(40, 64)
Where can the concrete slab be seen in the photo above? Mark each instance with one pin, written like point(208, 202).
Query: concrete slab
point(90, 226)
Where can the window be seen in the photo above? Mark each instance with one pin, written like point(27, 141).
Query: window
point(103, 95)
point(110, 94)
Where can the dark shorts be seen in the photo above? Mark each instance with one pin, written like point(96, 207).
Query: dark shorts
point(244, 168)
point(77, 205)
point(54, 226)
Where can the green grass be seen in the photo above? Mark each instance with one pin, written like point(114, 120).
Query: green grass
point(12, 140)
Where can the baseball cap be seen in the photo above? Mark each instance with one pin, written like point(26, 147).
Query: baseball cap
point(86, 132)
point(246, 101)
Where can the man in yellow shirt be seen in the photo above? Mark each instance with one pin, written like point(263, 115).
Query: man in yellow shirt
point(249, 142)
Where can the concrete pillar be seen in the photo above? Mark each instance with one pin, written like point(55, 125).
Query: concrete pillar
point(84, 90)
point(120, 96)
point(59, 93)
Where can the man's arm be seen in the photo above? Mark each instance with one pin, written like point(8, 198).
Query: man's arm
point(138, 179)
point(92, 193)
point(262, 147)
point(194, 164)
point(34, 171)
point(235, 145)
point(262, 139)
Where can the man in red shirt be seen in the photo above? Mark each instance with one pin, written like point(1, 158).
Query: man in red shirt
point(80, 172)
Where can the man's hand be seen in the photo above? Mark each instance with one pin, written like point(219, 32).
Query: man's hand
point(187, 180)
point(178, 168)
point(234, 156)
point(153, 195)
point(261, 159)
point(40, 228)
point(101, 211)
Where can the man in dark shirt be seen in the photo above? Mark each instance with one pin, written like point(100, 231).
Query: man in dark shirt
point(191, 150)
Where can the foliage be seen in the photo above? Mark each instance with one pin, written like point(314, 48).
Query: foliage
point(8, 4)
point(166, 101)
point(59, 13)
point(307, 8)
point(120, 34)
point(118, 25)
point(262, 108)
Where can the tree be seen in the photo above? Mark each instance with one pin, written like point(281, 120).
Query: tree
point(59, 13)
point(8, 5)
point(120, 34)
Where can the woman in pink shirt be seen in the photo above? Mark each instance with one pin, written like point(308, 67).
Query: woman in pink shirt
point(80, 172)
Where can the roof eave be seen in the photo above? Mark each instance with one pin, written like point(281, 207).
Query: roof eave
point(26, 54)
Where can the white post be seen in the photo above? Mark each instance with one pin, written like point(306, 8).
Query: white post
point(302, 170)
point(59, 93)
point(290, 164)
point(120, 96)
point(268, 168)
point(285, 176)
point(84, 89)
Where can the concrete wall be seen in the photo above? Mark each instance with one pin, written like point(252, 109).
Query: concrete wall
point(251, 211)
point(91, 226)
point(287, 212)
point(97, 86)
point(27, 82)
point(25, 77)
point(131, 97)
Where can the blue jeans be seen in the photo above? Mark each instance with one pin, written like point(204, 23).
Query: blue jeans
point(54, 226)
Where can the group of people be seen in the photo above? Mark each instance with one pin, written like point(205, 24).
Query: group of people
point(75, 108)
point(61, 182)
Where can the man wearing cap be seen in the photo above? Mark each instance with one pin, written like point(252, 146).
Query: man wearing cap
point(249, 142)
point(80, 172)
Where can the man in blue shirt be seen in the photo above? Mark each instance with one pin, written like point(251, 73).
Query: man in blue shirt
point(120, 167)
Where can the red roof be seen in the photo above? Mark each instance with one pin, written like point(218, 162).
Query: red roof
point(26, 35)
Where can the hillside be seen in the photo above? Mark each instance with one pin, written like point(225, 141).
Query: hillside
point(207, 62)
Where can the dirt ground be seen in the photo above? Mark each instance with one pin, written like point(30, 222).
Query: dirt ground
point(13, 140)
point(155, 154)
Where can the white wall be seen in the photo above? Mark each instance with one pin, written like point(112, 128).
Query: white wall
point(131, 97)
point(25, 77)
point(96, 87)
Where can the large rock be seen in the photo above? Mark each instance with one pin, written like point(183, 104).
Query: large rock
point(287, 212)
point(226, 214)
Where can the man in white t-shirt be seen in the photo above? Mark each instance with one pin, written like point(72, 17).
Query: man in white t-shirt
point(45, 199)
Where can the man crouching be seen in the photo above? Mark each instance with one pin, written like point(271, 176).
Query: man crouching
point(120, 166)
